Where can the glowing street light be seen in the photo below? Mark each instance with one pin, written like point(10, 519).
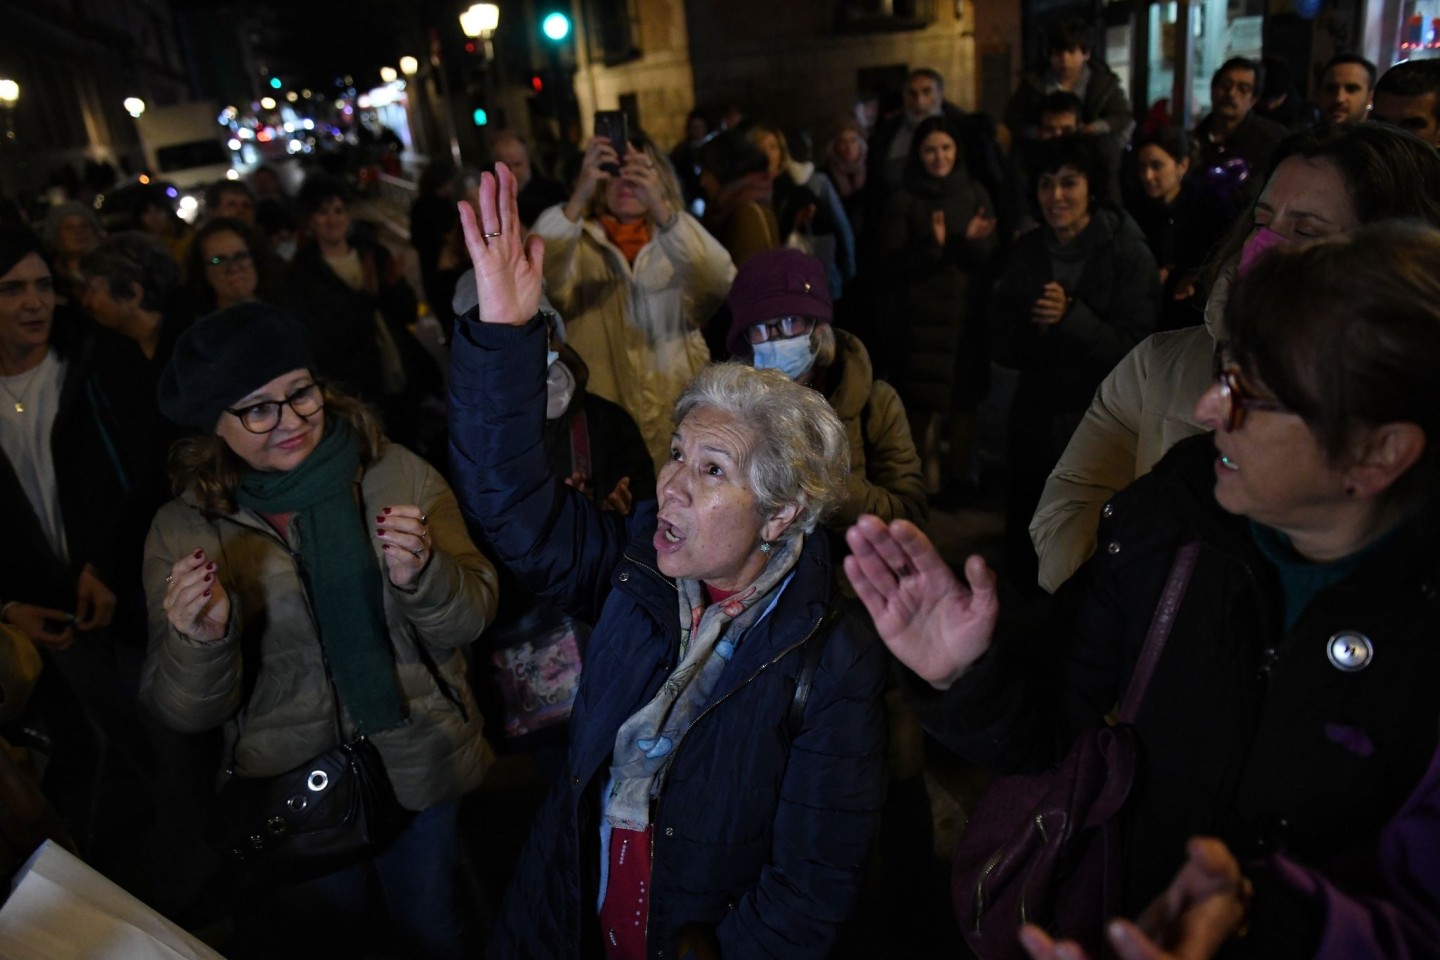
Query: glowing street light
point(481, 20)
point(134, 106)
point(556, 26)
point(267, 103)
point(388, 74)
point(9, 92)
point(409, 66)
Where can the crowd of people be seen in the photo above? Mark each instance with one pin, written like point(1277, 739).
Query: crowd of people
point(688, 409)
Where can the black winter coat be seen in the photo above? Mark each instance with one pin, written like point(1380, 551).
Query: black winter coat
point(1247, 732)
point(934, 340)
point(758, 838)
point(1113, 308)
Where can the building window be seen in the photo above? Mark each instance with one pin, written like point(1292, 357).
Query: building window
point(873, 15)
point(613, 33)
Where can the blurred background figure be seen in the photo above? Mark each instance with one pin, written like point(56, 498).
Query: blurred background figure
point(229, 263)
point(71, 230)
point(637, 279)
point(685, 158)
point(1347, 89)
point(1077, 294)
point(845, 155)
point(352, 296)
point(537, 191)
point(1408, 96)
point(937, 235)
point(154, 213)
point(739, 196)
point(807, 208)
point(1181, 223)
point(231, 200)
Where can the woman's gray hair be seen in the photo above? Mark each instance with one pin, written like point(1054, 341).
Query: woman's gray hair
point(801, 454)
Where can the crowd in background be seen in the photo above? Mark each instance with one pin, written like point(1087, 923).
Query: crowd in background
point(1065, 272)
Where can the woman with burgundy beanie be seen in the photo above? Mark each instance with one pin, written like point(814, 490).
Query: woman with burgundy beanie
point(780, 318)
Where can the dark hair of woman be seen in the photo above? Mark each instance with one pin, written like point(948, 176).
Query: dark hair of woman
point(926, 127)
point(1078, 152)
point(1389, 172)
point(1371, 296)
point(206, 464)
point(730, 155)
point(18, 242)
point(317, 189)
point(267, 286)
point(1173, 140)
point(134, 258)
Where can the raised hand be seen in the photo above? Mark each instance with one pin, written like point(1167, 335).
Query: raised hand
point(404, 532)
point(980, 226)
point(507, 265)
point(639, 171)
point(195, 602)
point(600, 158)
point(934, 624)
point(937, 227)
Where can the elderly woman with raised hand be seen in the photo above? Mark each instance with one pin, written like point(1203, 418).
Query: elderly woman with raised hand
point(726, 759)
point(780, 320)
point(314, 582)
point(636, 278)
point(1291, 715)
point(1325, 181)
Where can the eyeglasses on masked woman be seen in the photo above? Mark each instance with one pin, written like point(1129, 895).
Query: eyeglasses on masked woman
point(1235, 398)
point(781, 328)
point(264, 417)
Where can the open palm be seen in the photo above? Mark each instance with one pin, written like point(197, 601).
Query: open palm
point(934, 624)
point(507, 265)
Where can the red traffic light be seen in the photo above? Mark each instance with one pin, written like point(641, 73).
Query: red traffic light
point(536, 83)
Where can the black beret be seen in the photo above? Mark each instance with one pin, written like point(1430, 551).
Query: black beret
point(226, 356)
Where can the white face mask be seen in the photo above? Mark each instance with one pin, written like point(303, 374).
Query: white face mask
point(559, 388)
point(791, 357)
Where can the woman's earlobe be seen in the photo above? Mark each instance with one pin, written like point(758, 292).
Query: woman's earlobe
point(1388, 452)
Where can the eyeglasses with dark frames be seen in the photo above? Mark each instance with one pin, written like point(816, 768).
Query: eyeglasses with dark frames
point(264, 417)
point(781, 328)
point(239, 259)
point(1236, 399)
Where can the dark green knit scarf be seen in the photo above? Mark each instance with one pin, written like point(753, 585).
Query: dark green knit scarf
point(341, 573)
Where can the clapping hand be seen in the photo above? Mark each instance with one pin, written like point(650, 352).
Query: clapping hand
point(934, 624)
point(195, 602)
point(1204, 906)
point(507, 264)
point(1051, 305)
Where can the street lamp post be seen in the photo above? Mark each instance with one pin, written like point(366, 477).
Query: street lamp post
point(480, 21)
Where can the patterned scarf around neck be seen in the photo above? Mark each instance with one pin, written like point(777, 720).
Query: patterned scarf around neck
point(343, 578)
point(646, 741)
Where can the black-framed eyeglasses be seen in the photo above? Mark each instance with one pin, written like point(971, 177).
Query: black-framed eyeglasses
point(781, 328)
point(264, 417)
point(239, 258)
point(1235, 398)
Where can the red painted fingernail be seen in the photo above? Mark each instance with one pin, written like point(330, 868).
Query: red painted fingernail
point(387, 509)
point(379, 519)
point(208, 578)
point(379, 532)
point(205, 594)
point(199, 554)
point(384, 546)
point(210, 565)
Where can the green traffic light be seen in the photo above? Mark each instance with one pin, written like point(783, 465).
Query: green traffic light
point(275, 83)
point(556, 26)
point(480, 117)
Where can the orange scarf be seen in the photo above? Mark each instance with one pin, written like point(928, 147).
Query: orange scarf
point(629, 237)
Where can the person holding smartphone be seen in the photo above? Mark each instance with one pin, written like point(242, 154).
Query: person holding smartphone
point(636, 278)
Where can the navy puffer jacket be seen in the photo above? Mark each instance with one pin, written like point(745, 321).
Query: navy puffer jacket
point(758, 840)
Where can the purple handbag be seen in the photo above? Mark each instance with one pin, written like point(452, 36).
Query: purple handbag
point(1044, 848)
